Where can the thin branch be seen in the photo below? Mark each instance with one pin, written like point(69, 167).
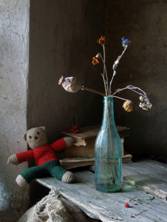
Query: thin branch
point(112, 78)
point(105, 85)
point(131, 88)
point(121, 98)
point(104, 74)
point(100, 93)
point(115, 65)
point(83, 88)
point(104, 67)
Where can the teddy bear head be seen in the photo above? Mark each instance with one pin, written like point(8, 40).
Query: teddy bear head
point(36, 137)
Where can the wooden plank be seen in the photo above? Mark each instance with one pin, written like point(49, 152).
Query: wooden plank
point(109, 207)
point(150, 176)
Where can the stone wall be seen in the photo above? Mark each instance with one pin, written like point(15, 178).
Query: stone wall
point(14, 30)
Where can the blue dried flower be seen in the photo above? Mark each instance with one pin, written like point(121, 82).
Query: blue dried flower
point(125, 41)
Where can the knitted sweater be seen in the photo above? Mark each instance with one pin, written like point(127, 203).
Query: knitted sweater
point(42, 154)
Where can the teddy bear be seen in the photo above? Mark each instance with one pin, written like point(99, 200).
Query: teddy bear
point(44, 155)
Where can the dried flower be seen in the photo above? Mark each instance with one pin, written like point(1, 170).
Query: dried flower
point(128, 106)
point(125, 41)
point(95, 60)
point(145, 106)
point(102, 40)
point(145, 103)
point(70, 84)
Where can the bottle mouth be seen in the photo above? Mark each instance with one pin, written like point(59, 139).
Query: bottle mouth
point(108, 97)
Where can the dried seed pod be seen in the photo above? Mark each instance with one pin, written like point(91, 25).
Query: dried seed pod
point(70, 84)
point(128, 106)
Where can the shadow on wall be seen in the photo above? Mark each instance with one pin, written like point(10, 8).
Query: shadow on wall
point(145, 65)
point(62, 41)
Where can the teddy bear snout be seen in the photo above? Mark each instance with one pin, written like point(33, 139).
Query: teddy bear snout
point(36, 137)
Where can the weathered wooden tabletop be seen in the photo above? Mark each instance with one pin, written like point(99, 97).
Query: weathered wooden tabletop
point(148, 200)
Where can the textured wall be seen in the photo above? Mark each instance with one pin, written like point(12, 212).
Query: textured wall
point(62, 41)
point(145, 65)
point(14, 28)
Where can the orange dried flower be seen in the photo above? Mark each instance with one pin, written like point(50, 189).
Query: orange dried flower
point(128, 106)
point(95, 61)
point(102, 40)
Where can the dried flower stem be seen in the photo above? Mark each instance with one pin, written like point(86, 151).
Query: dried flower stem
point(105, 68)
point(112, 78)
point(83, 88)
point(115, 65)
point(121, 98)
point(104, 74)
point(105, 84)
point(144, 100)
point(131, 88)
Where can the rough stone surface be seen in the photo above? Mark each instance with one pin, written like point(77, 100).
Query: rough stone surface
point(14, 28)
point(144, 65)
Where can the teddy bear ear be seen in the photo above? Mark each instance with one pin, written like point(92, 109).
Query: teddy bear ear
point(25, 136)
point(42, 127)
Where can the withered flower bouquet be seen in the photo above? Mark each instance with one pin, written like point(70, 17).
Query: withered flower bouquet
point(70, 84)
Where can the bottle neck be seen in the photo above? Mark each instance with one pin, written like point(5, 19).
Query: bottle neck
point(108, 112)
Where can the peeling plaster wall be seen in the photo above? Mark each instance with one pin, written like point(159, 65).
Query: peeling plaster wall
point(145, 65)
point(62, 41)
point(14, 29)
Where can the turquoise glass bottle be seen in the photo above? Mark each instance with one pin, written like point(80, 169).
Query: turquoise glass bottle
point(108, 152)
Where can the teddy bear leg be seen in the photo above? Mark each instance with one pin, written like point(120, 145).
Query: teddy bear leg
point(21, 182)
point(29, 174)
point(60, 173)
point(68, 177)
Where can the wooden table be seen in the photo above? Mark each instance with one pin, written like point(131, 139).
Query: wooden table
point(148, 201)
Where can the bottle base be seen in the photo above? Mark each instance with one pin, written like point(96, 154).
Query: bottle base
point(108, 188)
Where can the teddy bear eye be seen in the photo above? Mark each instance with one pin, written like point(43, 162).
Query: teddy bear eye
point(38, 133)
point(30, 137)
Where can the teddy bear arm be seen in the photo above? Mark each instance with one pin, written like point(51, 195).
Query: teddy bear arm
point(24, 156)
point(58, 145)
point(12, 159)
point(61, 144)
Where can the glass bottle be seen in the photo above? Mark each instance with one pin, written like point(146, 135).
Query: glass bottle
point(108, 152)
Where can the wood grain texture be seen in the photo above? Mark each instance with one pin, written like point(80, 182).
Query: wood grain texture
point(109, 207)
